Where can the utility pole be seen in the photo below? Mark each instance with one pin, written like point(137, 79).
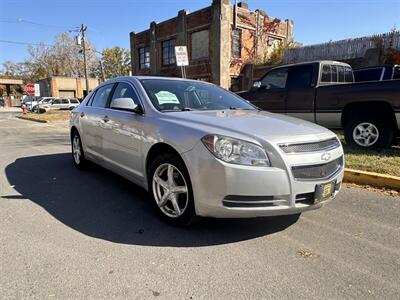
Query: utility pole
point(103, 76)
point(83, 32)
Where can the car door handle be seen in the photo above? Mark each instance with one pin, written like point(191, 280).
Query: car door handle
point(82, 114)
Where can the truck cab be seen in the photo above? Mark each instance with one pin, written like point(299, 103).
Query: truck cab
point(291, 90)
point(324, 92)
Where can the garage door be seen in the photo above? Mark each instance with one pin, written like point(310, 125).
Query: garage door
point(66, 93)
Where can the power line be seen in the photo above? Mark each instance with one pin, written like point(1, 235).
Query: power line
point(28, 22)
point(25, 43)
point(41, 44)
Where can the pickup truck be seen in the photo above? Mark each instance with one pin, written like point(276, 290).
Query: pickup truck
point(324, 92)
point(377, 73)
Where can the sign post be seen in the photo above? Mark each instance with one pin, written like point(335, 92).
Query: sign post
point(182, 59)
point(37, 90)
point(37, 94)
point(33, 90)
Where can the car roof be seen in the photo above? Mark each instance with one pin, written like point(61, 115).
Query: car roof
point(331, 62)
point(142, 77)
point(378, 66)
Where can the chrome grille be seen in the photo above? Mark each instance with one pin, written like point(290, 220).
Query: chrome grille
point(251, 201)
point(311, 147)
point(321, 171)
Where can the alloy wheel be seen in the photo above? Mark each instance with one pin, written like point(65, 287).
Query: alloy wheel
point(76, 149)
point(170, 190)
point(366, 134)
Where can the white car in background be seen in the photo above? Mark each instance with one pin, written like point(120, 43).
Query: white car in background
point(61, 104)
point(31, 101)
point(33, 105)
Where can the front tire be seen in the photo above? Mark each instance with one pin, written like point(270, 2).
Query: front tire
point(369, 132)
point(78, 156)
point(171, 190)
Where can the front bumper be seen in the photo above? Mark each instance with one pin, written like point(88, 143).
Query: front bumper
point(225, 190)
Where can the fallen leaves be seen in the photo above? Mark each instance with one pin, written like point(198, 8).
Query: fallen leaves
point(385, 191)
point(306, 253)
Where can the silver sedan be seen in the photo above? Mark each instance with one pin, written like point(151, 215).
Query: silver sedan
point(203, 151)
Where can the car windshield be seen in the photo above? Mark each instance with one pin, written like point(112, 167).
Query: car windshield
point(185, 95)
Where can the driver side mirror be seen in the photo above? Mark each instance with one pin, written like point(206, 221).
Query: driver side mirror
point(257, 84)
point(126, 104)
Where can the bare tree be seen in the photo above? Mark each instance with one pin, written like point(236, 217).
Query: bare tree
point(63, 58)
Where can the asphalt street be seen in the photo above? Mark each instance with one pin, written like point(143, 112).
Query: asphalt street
point(69, 234)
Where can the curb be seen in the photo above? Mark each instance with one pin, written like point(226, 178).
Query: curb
point(372, 179)
point(32, 119)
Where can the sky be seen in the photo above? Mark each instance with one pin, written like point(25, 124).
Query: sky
point(110, 21)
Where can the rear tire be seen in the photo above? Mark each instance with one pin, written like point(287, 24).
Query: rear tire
point(369, 132)
point(78, 156)
point(171, 190)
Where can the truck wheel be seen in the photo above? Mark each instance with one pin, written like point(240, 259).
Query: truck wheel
point(369, 132)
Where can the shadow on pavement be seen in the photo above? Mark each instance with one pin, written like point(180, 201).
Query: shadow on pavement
point(100, 204)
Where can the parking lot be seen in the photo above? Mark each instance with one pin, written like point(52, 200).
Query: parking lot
point(71, 234)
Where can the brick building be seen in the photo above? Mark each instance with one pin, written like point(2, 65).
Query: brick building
point(220, 38)
point(67, 87)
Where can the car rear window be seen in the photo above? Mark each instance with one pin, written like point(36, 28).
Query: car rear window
point(348, 74)
point(336, 74)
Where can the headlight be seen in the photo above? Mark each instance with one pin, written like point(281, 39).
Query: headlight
point(236, 151)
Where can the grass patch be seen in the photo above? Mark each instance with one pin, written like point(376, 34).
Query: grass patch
point(50, 116)
point(386, 161)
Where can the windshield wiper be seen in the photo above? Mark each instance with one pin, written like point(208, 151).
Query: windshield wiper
point(236, 108)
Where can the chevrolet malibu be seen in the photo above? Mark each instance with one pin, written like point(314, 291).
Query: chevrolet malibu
point(202, 151)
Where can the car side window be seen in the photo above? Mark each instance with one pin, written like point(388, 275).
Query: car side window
point(371, 74)
point(276, 79)
point(387, 74)
point(124, 90)
point(101, 97)
point(90, 99)
point(57, 101)
point(64, 101)
point(300, 77)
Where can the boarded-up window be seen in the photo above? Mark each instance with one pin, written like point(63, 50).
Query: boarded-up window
point(236, 43)
point(200, 44)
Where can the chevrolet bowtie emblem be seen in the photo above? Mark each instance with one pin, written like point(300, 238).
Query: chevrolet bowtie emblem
point(326, 156)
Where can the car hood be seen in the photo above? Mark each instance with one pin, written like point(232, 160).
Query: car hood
point(275, 128)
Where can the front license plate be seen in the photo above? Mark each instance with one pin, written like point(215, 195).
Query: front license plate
point(324, 191)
